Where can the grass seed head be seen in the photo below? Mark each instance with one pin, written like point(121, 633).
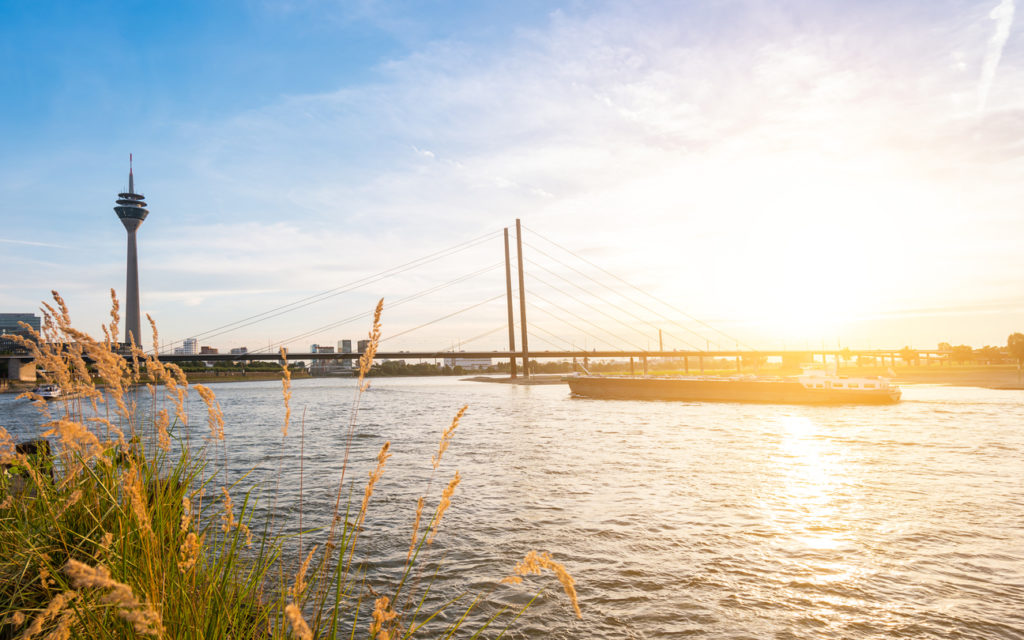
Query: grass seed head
point(131, 481)
point(382, 614)
point(286, 389)
point(143, 618)
point(299, 584)
point(447, 435)
point(366, 360)
point(415, 527)
point(189, 551)
point(115, 316)
point(375, 476)
point(163, 421)
point(446, 501)
point(52, 610)
point(535, 562)
point(6, 446)
point(300, 629)
point(215, 416)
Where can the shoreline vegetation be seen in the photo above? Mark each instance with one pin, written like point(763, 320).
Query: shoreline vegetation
point(121, 521)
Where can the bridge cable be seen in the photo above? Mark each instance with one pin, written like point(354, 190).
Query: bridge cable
point(652, 296)
point(444, 317)
point(557, 337)
point(345, 288)
point(399, 302)
point(614, 347)
point(598, 327)
point(611, 303)
point(639, 304)
point(598, 310)
point(478, 337)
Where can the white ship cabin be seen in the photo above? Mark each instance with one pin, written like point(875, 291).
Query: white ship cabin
point(828, 379)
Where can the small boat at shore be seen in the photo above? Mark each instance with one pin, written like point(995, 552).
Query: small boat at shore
point(47, 391)
point(813, 387)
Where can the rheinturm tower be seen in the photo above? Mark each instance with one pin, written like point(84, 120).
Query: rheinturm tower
point(131, 209)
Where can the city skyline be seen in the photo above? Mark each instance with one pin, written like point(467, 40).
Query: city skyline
point(795, 174)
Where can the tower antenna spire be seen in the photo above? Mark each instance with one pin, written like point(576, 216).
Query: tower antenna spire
point(131, 177)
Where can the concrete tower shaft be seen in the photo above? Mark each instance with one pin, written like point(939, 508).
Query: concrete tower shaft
point(131, 209)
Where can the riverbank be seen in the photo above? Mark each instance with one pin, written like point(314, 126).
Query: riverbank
point(542, 378)
point(986, 377)
point(248, 376)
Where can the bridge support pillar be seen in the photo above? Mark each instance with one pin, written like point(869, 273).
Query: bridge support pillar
point(700, 360)
point(631, 372)
point(522, 299)
point(686, 364)
point(739, 364)
point(508, 298)
point(643, 360)
point(21, 370)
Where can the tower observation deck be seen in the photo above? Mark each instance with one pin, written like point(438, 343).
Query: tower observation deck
point(131, 209)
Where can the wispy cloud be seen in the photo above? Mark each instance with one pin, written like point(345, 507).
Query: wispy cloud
point(1002, 14)
point(31, 243)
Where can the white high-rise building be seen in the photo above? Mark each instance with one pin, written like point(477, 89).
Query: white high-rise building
point(190, 347)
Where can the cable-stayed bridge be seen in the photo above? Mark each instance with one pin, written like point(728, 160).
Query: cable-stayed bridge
point(567, 289)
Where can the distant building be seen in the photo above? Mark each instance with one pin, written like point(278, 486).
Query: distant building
point(469, 364)
point(204, 350)
point(320, 367)
point(237, 351)
point(189, 347)
point(362, 346)
point(9, 322)
point(345, 346)
point(9, 325)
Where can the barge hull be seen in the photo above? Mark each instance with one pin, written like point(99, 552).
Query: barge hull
point(723, 390)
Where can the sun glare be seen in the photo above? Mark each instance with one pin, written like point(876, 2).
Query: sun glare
point(789, 247)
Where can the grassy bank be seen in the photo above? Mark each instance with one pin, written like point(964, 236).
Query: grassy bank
point(131, 529)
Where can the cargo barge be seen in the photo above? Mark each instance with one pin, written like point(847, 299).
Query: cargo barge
point(810, 388)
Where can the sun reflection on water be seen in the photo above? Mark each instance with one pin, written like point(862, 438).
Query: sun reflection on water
point(804, 504)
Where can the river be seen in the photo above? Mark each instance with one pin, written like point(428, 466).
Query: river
point(675, 519)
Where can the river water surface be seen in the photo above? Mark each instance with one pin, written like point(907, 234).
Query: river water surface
point(675, 519)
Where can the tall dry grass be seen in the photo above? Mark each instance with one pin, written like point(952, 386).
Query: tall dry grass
point(134, 532)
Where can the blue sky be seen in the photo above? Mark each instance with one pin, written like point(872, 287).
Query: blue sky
point(793, 172)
